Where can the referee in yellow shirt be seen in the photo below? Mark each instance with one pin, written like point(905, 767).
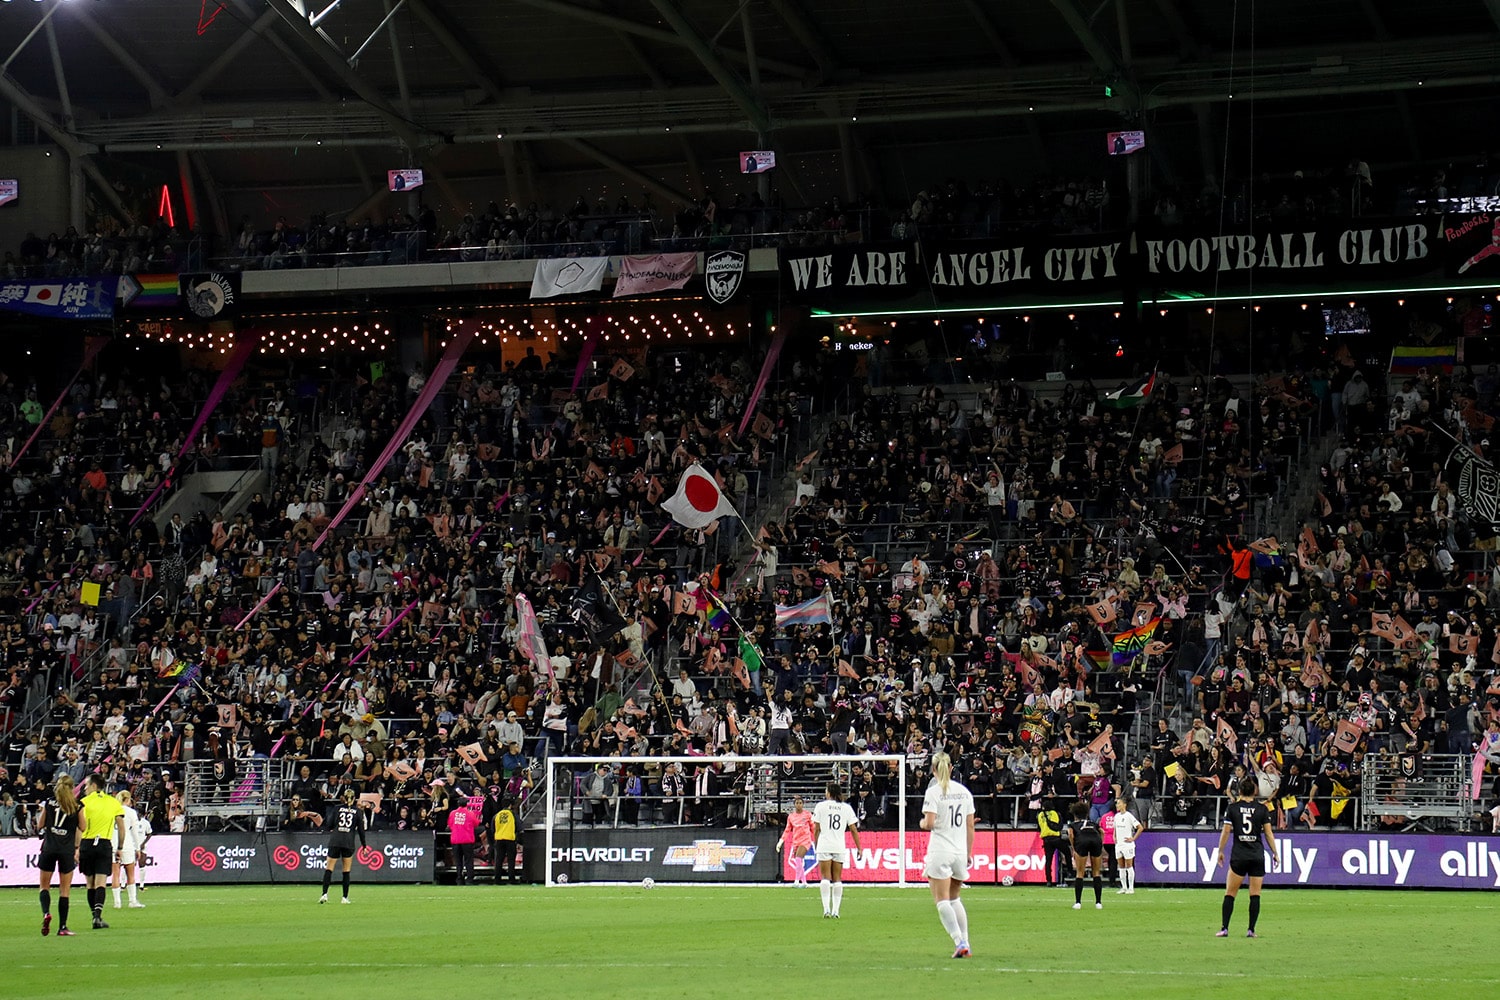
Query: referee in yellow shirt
point(103, 818)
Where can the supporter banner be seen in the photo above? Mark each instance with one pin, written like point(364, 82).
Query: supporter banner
point(18, 860)
point(984, 269)
point(836, 273)
point(215, 295)
point(1473, 245)
point(724, 275)
point(568, 276)
point(998, 854)
point(655, 273)
point(1367, 250)
point(149, 291)
point(74, 298)
point(1342, 860)
point(678, 854)
point(293, 857)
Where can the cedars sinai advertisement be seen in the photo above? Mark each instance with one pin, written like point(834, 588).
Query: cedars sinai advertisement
point(283, 857)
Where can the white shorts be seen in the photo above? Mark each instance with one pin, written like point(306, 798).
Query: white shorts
point(1125, 850)
point(842, 857)
point(125, 858)
point(944, 862)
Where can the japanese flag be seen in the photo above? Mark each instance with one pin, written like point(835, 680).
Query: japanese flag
point(698, 501)
point(44, 295)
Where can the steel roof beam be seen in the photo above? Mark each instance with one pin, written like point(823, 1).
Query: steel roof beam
point(736, 88)
point(809, 35)
point(474, 65)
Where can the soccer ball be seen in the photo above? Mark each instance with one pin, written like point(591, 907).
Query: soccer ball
point(562, 878)
point(648, 883)
point(1008, 880)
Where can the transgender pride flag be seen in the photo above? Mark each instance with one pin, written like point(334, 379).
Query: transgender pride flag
point(817, 611)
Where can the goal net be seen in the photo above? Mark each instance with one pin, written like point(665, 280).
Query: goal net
point(714, 819)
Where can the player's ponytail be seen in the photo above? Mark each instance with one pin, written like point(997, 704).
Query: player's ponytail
point(942, 770)
point(834, 791)
point(66, 800)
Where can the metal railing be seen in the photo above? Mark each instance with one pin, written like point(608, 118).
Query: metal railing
point(235, 794)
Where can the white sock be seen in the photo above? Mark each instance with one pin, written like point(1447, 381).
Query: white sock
point(838, 897)
point(117, 896)
point(963, 918)
point(949, 919)
point(1130, 879)
point(131, 888)
point(825, 890)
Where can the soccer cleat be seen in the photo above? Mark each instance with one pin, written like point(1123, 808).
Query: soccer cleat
point(46, 924)
point(117, 905)
point(1121, 892)
point(137, 906)
point(962, 951)
point(1250, 934)
point(1077, 906)
point(65, 932)
point(827, 914)
point(835, 916)
point(1098, 906)
point(1130, 892)
point(1222, 932)
point(345, 901)
point(100, 925)
point(323, 899)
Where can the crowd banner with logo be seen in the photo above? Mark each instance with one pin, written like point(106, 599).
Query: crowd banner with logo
point(1343, 860)
point(149, 291)
point(568, 276)
point(724, 275)
point(1473, 245)
point(656, 272)
point(214, 295)
point(984, 269)
point(832, 274)
point(70, 298)
point(292, 857)
point(677, 854)
point(18, 861)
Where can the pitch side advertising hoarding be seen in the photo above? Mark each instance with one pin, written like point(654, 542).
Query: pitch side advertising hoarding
point(681, 854)
point(18, 860)
point(1342, 860)
point(997, 854)
point(290, 857)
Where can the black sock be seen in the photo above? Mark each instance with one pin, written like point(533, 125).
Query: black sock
point(46, 902)
point(1228, 911)
point(1078, 888)
point(346, 883)
point(1254, 910)
point(1098, 889)
point(327, 875)
point(62, 912)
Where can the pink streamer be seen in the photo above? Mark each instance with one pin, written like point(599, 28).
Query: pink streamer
point(91, 348)
point(435, 383)
point(244, 346)
point(586, 354)
point(760, 383)
point(659, 536)
point(41, 597)
point(256, 610)
point(498, 504)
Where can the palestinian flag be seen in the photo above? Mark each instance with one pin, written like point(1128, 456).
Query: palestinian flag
point(1128, 645)
point(1133, 394)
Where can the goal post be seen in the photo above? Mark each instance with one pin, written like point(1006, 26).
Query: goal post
point(711, 819)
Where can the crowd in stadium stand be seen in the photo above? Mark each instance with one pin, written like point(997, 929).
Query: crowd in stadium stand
point(952, 208)
point(981, 550)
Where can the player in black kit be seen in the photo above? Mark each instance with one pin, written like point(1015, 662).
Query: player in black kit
point(1088, 854)
point(347, 821)
point(1246, 820)
point(59, 853)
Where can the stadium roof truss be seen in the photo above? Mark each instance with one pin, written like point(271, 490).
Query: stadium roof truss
point(616, 84)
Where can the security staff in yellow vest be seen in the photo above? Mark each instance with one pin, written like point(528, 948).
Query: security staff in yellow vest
point(103, 826)
point(505, 843)
point(1049, 825)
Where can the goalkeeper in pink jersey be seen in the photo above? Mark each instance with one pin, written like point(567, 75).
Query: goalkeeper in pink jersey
point(798, 836)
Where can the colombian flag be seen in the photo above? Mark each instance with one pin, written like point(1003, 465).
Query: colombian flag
point(1411, 360)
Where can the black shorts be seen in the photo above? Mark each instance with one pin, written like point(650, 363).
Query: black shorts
point(96, 857)
point(1089, 847)
point(339, 852)
point(1248, 867)
point(61, 862)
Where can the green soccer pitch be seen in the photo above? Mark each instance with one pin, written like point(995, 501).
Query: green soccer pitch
point(417, 942)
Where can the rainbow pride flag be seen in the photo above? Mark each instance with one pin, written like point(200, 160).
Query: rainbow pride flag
point(158, 291)
point(1128, 645)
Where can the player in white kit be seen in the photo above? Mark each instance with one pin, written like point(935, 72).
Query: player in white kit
point(1127, 828)
point(832, 819)
point(948, 814)
point(127, 852)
